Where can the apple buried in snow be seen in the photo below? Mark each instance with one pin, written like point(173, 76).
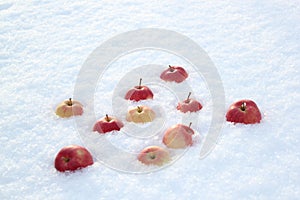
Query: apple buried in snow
point(154, 155)
point(189, 105)
point(140, 92)
point(72, 157)
point(178, 136)
point(174, 73)
point(243, 111)
point(107, 124)
point(140, 114)
point(69, 108)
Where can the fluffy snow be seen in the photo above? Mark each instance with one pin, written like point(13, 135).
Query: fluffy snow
point(254, 45)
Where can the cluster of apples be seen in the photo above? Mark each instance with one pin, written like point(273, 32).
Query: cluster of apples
point(179, 136)
point(72, 157)
point(139, 114)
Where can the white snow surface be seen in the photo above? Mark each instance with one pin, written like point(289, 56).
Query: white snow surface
point(253, 44)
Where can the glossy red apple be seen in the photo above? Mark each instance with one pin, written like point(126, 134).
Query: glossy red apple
point(174, 73)
point(72, 157)
point(243, 111)
point(140, 114)
point(108, 124)
point(154, 155)
point(69, 108)
point(189, 105)
point(140, 92)
point(178, 136)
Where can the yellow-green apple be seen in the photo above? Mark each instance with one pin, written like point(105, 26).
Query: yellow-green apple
point(154, 155)
point(174, 73)
point(140, 114)
point(72, 157)
point(178, 136)
point(108, 124)
point(69, 108)
point(139, 92)
point(243, 111)
point(189, 105)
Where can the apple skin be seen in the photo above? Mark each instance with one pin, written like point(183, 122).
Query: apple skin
point(154, 155)
point(178, 136)
point(174, 73)
point(243, 111)
point(140, 114)
point(189, 105)
point(72, 157)
point(139, 92)
point(107, 124)
point(69, 108)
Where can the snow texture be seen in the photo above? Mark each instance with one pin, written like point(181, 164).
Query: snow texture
point(254, 45)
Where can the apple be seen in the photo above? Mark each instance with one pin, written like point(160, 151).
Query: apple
point(178, 136)
point(154, 155)
point(140, 114)
point(69, 108)
point(189, 105)
point(174, 73)
point(108, 124)
point(72, 157)
point(139, 92)
point(243, 111)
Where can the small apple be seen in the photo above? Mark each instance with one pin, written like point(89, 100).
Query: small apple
point(72, 157)
point(178, 136)
point(243, 111)
point(174, 73)
point(154, 155)
point(139, 92)
point(107, 124)
point(189, 105)
point(140, 114)
point(69, 108)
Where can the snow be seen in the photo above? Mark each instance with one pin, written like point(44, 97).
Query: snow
point(254, 46)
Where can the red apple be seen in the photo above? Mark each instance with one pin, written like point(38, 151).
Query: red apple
point(243, 111)
point(139, 92)
point(69, 108)
point(189, 105)
point(154, 155)
point(174, 73)
point(108, 124)
point(178, 136)
point(140, 114)
point(72, 157)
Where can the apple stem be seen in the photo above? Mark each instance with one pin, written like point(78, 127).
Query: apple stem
point(171, 68)
point(70, 103)
point(190, 125)
point(107, 118)
point(243, 106)
point(188, 98)
point(139, 109)
point(66, 159)
point(140, 84)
